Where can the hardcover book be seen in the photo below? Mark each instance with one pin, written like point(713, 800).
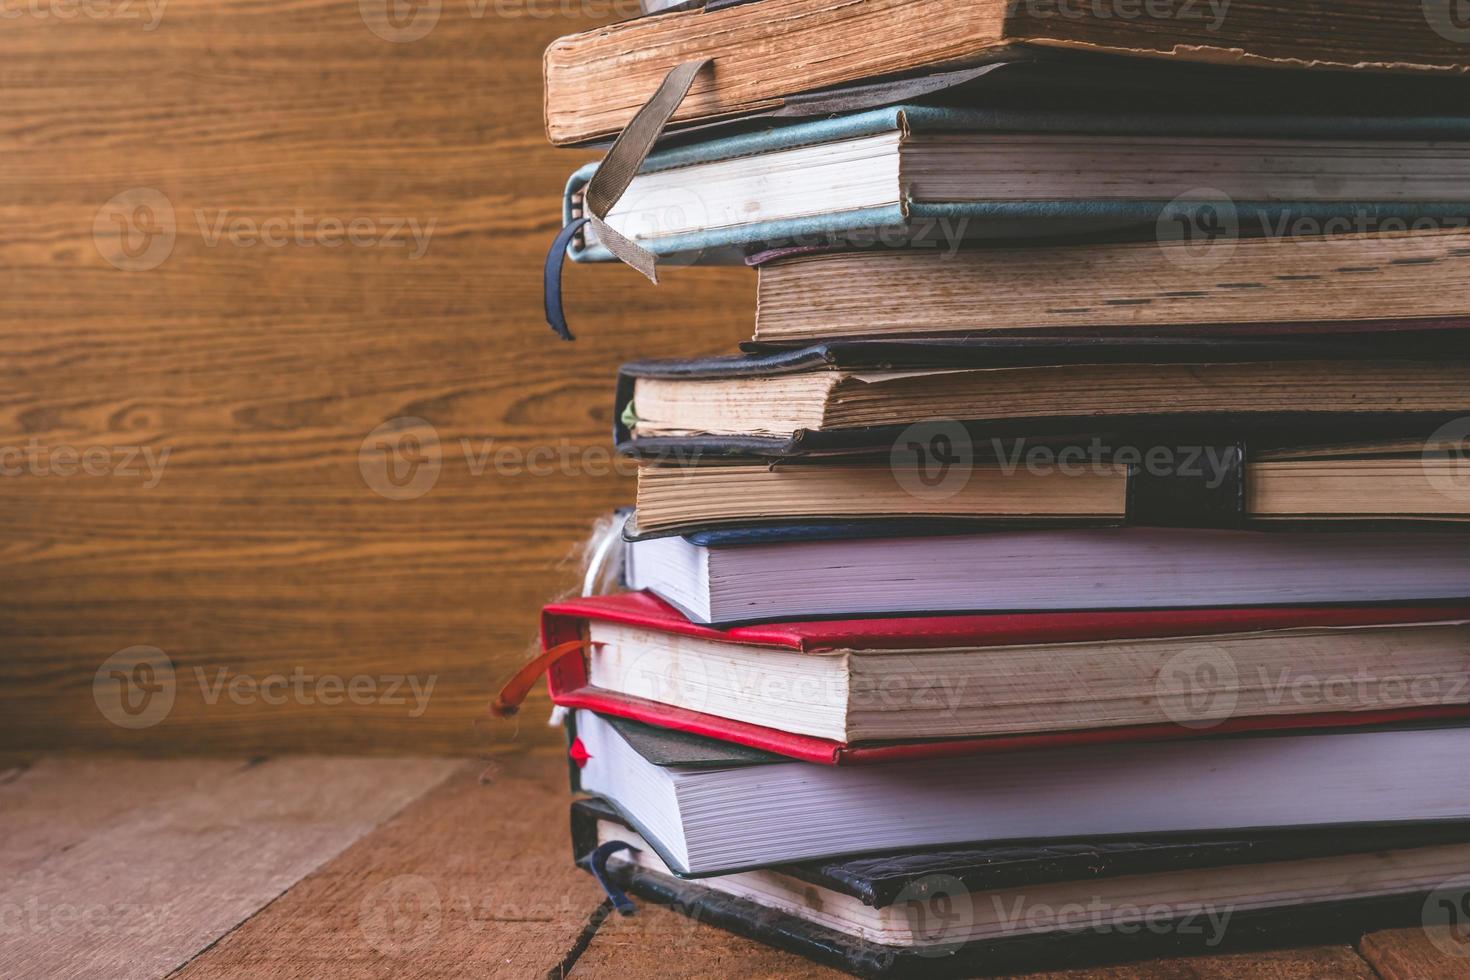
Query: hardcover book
point(980, 910)
point(803, 571)
point(718, 810)
point(845, 692)
point(765, 52)
point(937, 176)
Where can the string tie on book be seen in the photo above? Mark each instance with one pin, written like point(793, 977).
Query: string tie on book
point(514, 691)
point(597, 862)
point(613, 175)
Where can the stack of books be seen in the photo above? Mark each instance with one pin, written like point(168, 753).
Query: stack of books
point(1074, 564)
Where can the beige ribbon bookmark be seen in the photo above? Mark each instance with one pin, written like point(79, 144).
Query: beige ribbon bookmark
point(614, 174)
point(626, 157)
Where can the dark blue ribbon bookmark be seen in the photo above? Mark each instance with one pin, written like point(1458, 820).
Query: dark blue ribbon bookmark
point(597, 861)
point(551, 281)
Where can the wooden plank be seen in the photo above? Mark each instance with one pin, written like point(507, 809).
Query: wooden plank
point(476, 879)
point(1315, 963)
point(56, 803)
point(263, 371)
point(657, 942)
point(144, 893)
point(1432, 953)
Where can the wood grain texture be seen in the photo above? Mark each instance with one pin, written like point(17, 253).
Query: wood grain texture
point(145, 891)
point(474, 880)
point(1436, 953)
point(473, 877)
point(53, 805)
point(260, 357)
point(659, 942)
point(1315, 963)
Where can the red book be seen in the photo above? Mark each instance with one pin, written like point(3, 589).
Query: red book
point(1251, 669)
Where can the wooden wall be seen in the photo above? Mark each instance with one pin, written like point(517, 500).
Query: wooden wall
point(171, 297)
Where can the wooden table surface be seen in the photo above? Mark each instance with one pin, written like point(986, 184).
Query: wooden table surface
point(350, 867)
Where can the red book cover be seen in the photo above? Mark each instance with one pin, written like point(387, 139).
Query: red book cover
point(563, 623)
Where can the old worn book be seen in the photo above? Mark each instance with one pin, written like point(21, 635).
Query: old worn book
point(1397, 386)
point(681, 497)
point(1286, 281)
point(766, 51)
point(982, 910)
point(776, 405)
point(939, 176)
